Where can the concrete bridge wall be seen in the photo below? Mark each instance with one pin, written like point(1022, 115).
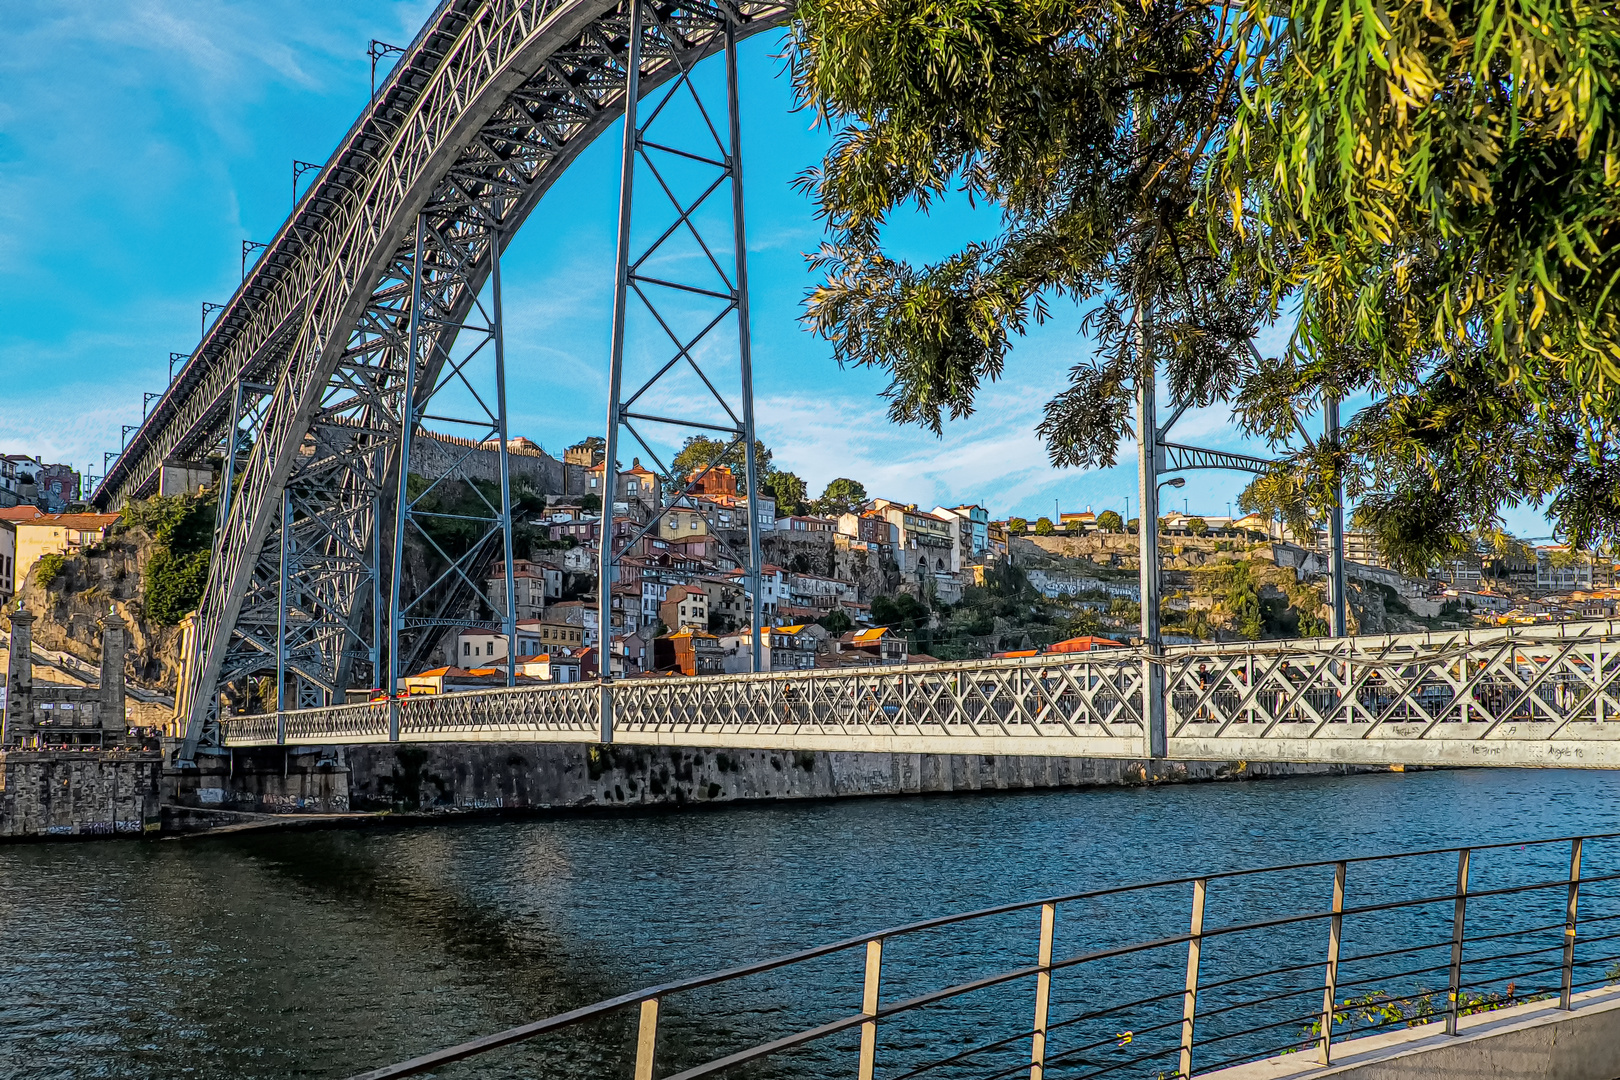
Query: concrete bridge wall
point(536, 776)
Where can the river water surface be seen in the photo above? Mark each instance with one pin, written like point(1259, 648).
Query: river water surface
point(320, 954)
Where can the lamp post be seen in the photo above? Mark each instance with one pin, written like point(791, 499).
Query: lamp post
point(302, 167)
point(377, 51)
point(248, 248)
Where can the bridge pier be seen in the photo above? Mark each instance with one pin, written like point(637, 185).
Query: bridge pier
point(263, 780)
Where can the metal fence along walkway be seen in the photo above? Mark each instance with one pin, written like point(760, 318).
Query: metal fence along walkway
point(1170, 978)
point(1523, 696)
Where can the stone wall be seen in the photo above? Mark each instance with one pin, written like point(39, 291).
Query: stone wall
point(831, 555)
point(264, 780)
point(438, 455)
point(551, 776)
point(79, 793)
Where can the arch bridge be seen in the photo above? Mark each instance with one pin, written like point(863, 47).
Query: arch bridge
point(375, 311)
point(369, 307)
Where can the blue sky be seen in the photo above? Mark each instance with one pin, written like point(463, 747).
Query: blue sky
point(142, 142)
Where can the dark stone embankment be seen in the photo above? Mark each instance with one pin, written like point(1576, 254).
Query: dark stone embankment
point(435, 779)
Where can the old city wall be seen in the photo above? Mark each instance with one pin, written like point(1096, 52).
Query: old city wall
point(79, 793)
point(441, 455)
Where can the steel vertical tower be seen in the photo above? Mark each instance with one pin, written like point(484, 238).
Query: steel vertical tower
point(456, 379)
point(674, 296)
point(1147, 534)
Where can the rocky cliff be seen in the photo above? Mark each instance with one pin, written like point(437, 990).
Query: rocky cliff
point(108, 576)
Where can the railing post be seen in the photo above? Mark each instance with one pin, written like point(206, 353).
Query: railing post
point(1331, 986)
point(1043, 993)
point(647, 1039)
point(869, 1006)
point(1459, 917)
point(1189, 1001)
point(606, 716)
point(1569, 923)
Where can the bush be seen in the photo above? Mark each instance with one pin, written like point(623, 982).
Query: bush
point(172, 585)
point(49, 568)
point(1109, 521)
point(184, 523)
point(836, 621)
point(1044, 527)
point(175, 575)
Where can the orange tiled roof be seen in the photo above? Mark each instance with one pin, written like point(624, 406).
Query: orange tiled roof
point(82, 522)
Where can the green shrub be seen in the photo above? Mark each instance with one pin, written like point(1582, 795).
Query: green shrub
point(182, 528)
point(172, 585)
point(49, 568)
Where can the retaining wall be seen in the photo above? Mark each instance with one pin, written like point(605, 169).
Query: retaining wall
point(79, 792)
point(540, 776)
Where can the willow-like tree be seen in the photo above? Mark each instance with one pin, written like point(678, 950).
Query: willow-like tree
point(1431, 187)
point(1441, 183)
point(1090, 126)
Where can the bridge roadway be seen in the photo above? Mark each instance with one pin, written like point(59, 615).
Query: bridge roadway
point(1521, 696)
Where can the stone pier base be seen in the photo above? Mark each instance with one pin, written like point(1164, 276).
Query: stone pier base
point(79, 792)
point(532, 776)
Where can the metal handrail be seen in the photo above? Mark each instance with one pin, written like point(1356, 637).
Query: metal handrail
point(874, 1016)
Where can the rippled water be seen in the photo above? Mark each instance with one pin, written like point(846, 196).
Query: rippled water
point(323, 953)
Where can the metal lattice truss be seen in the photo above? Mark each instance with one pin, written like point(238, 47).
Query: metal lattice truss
point(990, 707)
point(686, 297)
point(1175, 457)
point(1526, 696)
point(464, 390)
point(1537, 696)
point(488, 105)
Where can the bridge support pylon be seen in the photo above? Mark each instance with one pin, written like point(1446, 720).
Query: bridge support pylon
point(675, 296)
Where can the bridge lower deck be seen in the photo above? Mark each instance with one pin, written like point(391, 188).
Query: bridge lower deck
point(1535, 697)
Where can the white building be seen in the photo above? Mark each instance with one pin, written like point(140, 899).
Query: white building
point(1575, 573)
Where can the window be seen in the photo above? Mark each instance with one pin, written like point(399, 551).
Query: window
point(466, 648)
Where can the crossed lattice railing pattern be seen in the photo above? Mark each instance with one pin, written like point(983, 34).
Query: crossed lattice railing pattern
point(1525, 688)
point(1543, 683)
point(574, 709)
point(1072, 697)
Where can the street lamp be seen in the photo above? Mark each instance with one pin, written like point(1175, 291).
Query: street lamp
point(302, 167)
point(377, 51)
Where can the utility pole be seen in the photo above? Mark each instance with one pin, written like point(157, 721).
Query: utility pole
point(1147, 534)
point(1330, 432)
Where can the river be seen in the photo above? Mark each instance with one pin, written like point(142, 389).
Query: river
point(320, 953)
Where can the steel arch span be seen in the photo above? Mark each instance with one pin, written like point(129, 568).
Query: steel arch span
point(309, 362)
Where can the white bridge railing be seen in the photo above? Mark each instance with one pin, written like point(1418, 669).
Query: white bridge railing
point(1543, 695)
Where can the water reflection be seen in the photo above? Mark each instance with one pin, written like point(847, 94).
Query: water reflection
point(322, 953)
